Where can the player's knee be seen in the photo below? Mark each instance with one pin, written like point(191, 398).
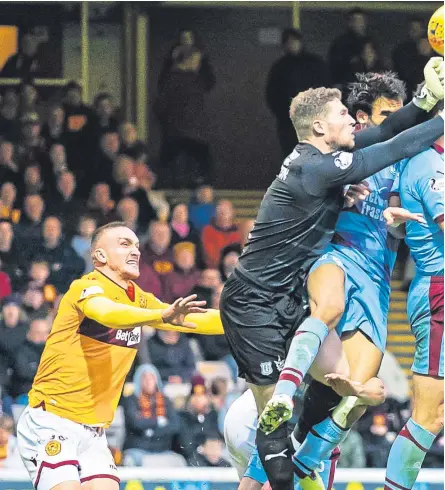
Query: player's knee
point(429, 418)
point(330, 310)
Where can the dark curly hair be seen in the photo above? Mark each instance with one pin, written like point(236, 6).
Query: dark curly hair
point(370, 86)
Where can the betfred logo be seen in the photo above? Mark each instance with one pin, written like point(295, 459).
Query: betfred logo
point(131, 337)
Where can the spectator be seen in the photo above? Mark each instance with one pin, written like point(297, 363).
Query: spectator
point(185, 276)
point(219, 234)
point(180, 107)
point(30, 147)
point(369, 59)
point(150, 281)
point(12, 334)
point(23, 64)
point(27, 359)
point(156, 252)
point(57, 156)
point(229, 259)
point(126, 183)
point(209, 281)
point(151, 422)
point(101, 206)
point(33, 182)
point(104, 111)
point(130, 145)
point(37, 301)
point(346, 49)
point(8, 114)
point(29, 231)
point(64, 263)
point(187, 44)
point(8, 203)
point(199, 418)
point(53, 129)
point(296, 71)
point(183, 231)
point(9, 451)
point(128, 211)
point(28, 98)
point(102, 166)
point(410, 56)
point(209, 453)
point(38, 274)
point(81, 242)
point(11, 255)
point(9, 170)
point(202, 209)
point(170, 352)
point(5, 284)
point(65, 205)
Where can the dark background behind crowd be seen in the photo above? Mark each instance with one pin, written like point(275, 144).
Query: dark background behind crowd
point(68, 166)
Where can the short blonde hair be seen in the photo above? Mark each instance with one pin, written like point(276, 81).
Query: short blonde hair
point(309, 105)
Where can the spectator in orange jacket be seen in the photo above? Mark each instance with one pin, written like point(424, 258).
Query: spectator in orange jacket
point(219, 234)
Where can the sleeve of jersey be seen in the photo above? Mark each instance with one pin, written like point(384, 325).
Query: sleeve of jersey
point(431, 192)
point(208, 323)
point(341, 168)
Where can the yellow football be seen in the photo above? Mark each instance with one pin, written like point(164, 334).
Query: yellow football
point(435, 31)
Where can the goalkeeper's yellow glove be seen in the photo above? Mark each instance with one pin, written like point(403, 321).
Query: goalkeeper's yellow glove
point(433, 90)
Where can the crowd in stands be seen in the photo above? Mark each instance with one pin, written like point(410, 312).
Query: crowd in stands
point(67, 169)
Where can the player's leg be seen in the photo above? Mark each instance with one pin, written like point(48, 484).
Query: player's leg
point(100, 484)
point(327, 302)
point(426, 313)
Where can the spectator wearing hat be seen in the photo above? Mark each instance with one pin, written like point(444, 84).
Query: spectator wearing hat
point(220, 233)
point(151, 422)
point(12, 256)
point(9, 206)
point(12, 334)
point(172, 355)
point(185, 276)
point(9, 450)
point(27, 358)
point(198, 419)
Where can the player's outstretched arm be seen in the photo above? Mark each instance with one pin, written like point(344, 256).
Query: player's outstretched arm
point(413, 113)
point(184, 315)
point(341, 168)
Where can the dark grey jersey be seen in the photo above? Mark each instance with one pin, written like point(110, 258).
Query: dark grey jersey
point(299, 211)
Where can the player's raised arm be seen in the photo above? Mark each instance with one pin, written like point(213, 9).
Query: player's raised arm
point(341, 168)
point(413, 113)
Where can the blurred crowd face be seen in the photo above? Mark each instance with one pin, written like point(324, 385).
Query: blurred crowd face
point(29, 95)
point(56, 116)
point(187, 38)
point(124, 170)
point(128, 210)
point(210, 278)
point(200, 403)
point(28, 45)
point(101, 194)
point(31, 130)
point(224, 214)
point(11, 315)
point(293, 46)
point(416, 30)
point(229, 263)
point(169, 337)
point(87, 227)
point(105, 108)
point(32, 176)
point(38, 331)
point(212, 449)
point(74, 97)
point(159, 237)
point(6, 236)
point(185, 259)
point(128, 133)
point(357, 23)
point(205, 195)
point(34, 207)
point(6, 429)
point(8, 194)
point(52, 231)
point(180, 214)
point(33, 299)
point(66, 184)
point(149, 384)
point(39, 272)
point(6, 152)
point(10, 104)
point(57, 155)
point(110, 144)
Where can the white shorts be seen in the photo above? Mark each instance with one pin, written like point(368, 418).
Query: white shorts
point(240, 430)
point(55, 450)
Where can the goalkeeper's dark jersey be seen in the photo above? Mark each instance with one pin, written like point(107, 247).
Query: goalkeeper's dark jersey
point(299, 211)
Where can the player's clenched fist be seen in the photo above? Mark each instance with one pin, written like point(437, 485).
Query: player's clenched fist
point(175, 313)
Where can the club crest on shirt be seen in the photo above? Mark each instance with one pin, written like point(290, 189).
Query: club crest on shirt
point(342, 159)
point(266, 368)
point(53, 448)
